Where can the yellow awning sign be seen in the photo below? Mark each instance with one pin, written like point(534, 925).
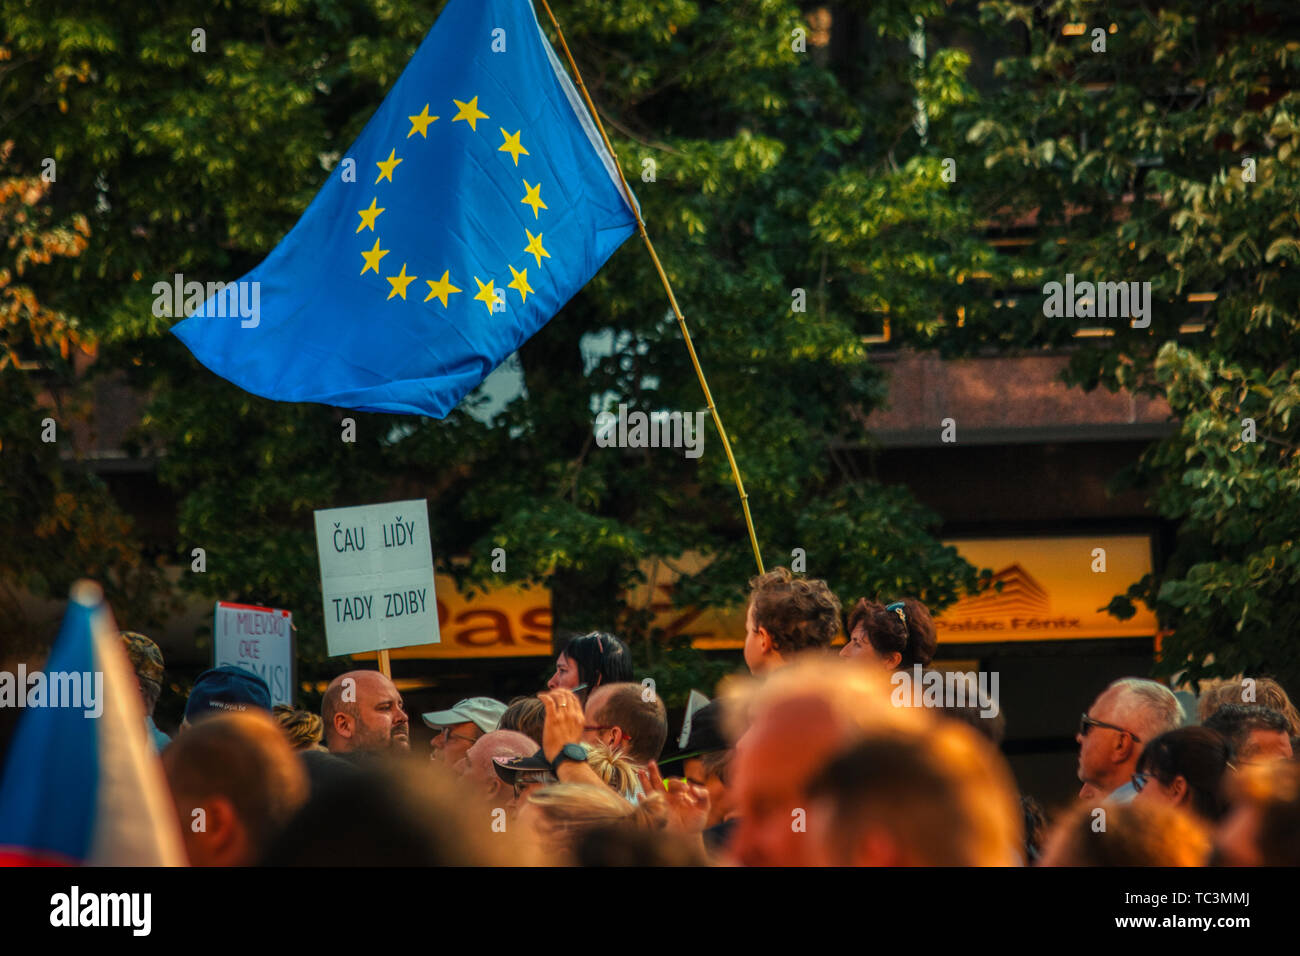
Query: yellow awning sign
point(1052, 589)
point(509, 621)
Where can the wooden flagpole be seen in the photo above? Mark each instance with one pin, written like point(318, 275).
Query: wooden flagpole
point(672, 299)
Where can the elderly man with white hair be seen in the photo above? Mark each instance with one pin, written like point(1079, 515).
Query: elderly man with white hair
point(1122, 720)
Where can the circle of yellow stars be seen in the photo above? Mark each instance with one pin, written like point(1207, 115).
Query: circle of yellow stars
point(442, 289)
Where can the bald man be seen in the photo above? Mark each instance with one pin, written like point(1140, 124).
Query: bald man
point(235, 782)
point(362, 713)
point(477, 765)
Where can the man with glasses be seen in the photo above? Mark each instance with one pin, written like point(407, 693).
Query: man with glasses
point(457, 729)
point(1114, 730)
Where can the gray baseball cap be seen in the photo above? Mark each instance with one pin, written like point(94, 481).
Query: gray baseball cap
point(484, 712)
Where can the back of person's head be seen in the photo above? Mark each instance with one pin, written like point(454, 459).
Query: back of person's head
point(627, 844)
point(1200, 756)
point(638, 712)
point(1236, 722)
point(226, 689)
point(798, 613)
point(856, 697)
point(1218, 692)
point(1145, 707)
point(1131, 834)
point(907, 631)
point(615, 767)
point(302, 728)
point(564, 812)
point(147, 662)
point(601, 658)
point(527, 715)
point(787, 728)
point(1263, 826)
point(237, 775)
point(395, 812)
point(940, 796)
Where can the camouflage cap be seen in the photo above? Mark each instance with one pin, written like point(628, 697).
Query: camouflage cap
point(145, 656)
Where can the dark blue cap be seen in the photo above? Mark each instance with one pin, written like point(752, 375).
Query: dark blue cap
point(227, 688)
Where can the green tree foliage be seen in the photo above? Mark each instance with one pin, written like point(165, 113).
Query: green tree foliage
point(59, 521)
point(766, 163)
point(1169, 158)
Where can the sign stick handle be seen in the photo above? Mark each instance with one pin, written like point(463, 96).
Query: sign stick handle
point(384, 667)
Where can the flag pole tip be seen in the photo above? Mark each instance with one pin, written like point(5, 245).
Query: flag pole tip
point(87, 593)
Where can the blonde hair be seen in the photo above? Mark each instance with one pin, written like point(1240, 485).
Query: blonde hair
point(1218, 692)
point(856, 694)
point(612, 766)
point(569, 810)
point(301, 727)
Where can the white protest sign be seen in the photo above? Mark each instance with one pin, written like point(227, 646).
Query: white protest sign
point(258, 639)
point(376, 577)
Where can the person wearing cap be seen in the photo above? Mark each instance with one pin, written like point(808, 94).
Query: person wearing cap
point(459, 728)
point(226, 689)
point(147, 662)
point(524, 774)
point(479, 766)
point(703, 760)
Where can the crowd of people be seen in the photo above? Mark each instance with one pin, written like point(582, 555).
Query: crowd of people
point(809, 760)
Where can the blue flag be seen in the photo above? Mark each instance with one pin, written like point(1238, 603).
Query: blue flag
point(476, 202)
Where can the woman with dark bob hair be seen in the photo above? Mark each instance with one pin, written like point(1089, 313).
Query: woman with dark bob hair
point(1185, 768)
point(592, 659)
point(896, 636)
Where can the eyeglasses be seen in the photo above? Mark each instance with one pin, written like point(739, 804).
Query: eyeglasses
point(1140, 781)
point(1086, 724)
point(446, 736)
point(525, 780)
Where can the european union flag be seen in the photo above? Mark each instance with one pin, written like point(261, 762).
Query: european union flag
point(482, 199)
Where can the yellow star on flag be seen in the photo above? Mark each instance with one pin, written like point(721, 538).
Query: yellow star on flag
point(535, 246)
point(442, 288)
point(534, 197)
point(420, 123)
point(368, 216)
point(469, 112)
point(512, 145)
point(387, 166)
point(400, 282)
point(520, 282)
point(372, 258)
point(486, 294)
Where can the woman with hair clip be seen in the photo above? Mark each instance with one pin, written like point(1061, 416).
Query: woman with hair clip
point(589, 661)
point(896, 636)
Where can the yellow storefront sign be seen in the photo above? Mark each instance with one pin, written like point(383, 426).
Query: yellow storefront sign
point(1052, 589)
point(509, 621)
